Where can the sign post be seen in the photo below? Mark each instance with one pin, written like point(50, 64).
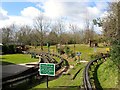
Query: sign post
point(47, 69)
point(47, 81)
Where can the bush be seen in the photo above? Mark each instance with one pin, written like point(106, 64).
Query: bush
point(9, 49)
point(18, 50)
point(60, 51)
point(96, 55)
point(115, 53)
point(12, 49)
point(72, 54)
point(5, 49)
point(67, 50)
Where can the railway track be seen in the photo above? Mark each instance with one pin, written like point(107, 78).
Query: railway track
point(28, 74)
point(86, 76)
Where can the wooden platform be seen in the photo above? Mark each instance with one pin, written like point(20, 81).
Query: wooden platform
point(10, 70)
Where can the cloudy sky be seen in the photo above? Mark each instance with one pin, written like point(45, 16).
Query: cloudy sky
point(72, 11)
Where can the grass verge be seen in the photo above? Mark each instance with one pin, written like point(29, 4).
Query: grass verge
point(17, 59)
point(65, 80)
point(83, 48)
point(108, 75)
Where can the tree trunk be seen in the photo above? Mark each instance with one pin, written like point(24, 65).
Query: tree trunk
point(42, 46)
point(90, 43)
point(74, 47)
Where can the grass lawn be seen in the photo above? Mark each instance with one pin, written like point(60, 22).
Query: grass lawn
point(56, 58)
point(63, 80)
point(108, 75)
point(87, 51)
point(66, 80)
point(17, 59)
point(83, 48)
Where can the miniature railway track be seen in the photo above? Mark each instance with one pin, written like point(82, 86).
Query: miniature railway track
point(45, 58)
point(86, 77)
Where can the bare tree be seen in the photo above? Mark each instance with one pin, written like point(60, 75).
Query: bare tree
point(34, 37)
point(23, 35)
point(59, 29)
point(89, 30)
point(65, 38)
point(52, 38)
point(41, 25)
point(9, 34)
point(74, 29)
point(6, 35)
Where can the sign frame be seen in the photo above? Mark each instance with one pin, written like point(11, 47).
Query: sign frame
point(46, 65)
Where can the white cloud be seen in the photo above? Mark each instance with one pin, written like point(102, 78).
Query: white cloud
point(98, 29)
point(26, 18)
point(104, 14)
point(60, 0)
point(3, 14)
point(52, 9)
point(101, 5)
point(30, 12)
point(93, 12)
point(73, 12)
point(18, 20)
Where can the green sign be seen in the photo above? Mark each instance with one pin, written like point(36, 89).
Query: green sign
point(47, 69)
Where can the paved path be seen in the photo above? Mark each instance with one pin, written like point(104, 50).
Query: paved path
point(83, 61)
point(9, 70)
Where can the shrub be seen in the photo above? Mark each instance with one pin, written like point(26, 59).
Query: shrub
point(18, 50)
point(115, 53)
point(67, 50)
point(9, 49)
point(60, 51)
point(12, 49)
point(96, 55)
point(5, 49)
point(72, 55)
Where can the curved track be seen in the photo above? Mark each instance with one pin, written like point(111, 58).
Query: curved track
point(86, 78)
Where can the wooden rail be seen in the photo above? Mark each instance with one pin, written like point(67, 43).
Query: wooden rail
point(45, 58)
